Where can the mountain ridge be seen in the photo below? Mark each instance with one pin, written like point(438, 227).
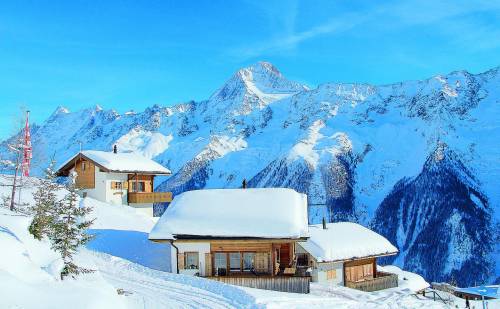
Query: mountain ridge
point(348, 146)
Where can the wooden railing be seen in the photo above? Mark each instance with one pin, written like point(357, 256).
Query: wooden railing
point(382, 281)
point(277, 283)
point(149, 197)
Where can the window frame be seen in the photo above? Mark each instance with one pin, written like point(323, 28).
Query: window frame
point(227, 255)
point(302, 257)
point(136, 184)
point(214, 263)
point(230, 256)
point(116, 185)
point(243, 269)
point(192, 253)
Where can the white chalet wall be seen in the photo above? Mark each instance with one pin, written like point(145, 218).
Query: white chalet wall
point(200, 247)
point(320, 269)
point(103, 192)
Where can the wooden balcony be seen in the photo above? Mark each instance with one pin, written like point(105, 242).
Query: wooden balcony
point(275, 283)
point(149, 197)
point(382, 281)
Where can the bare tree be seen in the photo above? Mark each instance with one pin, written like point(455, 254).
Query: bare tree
point(12, 165)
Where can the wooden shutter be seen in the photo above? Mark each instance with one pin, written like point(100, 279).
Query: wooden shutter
point(331, 274)
point(368, 270)
point(180, 260)
point(208, 264)
point(125, 185)
point(348, 274)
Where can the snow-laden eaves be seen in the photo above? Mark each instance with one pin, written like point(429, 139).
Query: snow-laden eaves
point(345, 241)
point(122, 162)
point(269, 213)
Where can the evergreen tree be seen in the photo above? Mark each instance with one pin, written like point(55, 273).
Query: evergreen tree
point(69, 229)
point(45, 204)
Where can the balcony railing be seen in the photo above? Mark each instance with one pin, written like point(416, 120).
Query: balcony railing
point(382, 281)
point(274, 283)
point(149, 197)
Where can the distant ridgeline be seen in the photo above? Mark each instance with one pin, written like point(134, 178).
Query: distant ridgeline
point(417, 160)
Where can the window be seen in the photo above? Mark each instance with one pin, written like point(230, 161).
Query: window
point(248, 261)
point(235, 261)
point(138, 186)
point(191, 260)
point(84, 166)
point(302, 259)
point(116, 185)
point(331, 274)
point(220, 263)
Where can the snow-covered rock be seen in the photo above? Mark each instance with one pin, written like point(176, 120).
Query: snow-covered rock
point(348, 146)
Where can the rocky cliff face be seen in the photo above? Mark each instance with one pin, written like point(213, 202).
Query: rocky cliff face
point(440, 221)
point(361, 152)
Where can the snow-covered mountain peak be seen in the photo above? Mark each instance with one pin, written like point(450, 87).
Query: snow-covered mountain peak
point(268, 79)
point(60, 110)
point(262, 81)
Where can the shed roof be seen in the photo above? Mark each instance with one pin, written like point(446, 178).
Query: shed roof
point(121, 162)
point(234, 213)
point(345, 241)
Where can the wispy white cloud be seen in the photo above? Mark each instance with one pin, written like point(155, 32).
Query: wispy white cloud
point(447, 18)
point(291, 38)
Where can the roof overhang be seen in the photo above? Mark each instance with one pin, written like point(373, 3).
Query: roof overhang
point(355, 258)
point(228, 238)
point(64, 170)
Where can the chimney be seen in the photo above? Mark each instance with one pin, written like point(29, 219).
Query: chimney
point(115, 149)
point(324, 223)
point(244, 183)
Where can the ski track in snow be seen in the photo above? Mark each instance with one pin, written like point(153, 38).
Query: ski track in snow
point(155, 289)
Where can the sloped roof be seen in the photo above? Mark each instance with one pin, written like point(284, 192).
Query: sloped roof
point(234, 213)
point(122, 162)
point(345, 241)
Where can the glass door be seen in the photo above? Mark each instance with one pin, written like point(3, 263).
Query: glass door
point(220, 264)
point(235, 262)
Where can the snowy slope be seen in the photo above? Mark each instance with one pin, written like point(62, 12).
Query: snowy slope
point(347, 145)
point(29, 274)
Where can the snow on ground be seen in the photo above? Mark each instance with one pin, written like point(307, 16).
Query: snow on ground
point(29, 273)
point(332, 296)
point(152, 289)
point(123, 231)
point(123, 259)
point(406, 279)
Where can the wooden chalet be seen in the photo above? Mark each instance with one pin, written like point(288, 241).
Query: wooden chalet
point(238, 236)
point(117, 178)
point(345, 254)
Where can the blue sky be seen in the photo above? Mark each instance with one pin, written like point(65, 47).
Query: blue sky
point(133, 54)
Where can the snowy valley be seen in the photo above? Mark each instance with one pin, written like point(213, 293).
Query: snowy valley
point(123, 260)
point(417, 161)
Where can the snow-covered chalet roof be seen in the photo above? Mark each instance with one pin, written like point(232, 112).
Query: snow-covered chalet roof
point(345, 241)
point(234, 213)
point(121, 162)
